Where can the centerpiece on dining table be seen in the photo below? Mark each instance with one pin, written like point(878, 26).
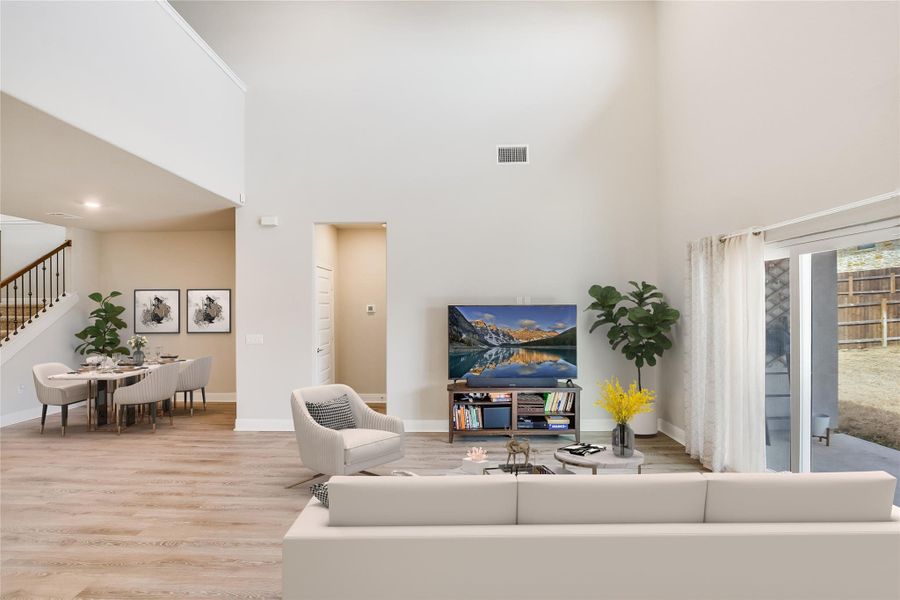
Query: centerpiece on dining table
point(137, 342)
point(623, 405)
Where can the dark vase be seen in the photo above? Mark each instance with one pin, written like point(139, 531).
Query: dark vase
point(138, 357)
point(623, 440)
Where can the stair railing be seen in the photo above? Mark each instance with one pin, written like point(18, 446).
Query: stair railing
point(30, 291)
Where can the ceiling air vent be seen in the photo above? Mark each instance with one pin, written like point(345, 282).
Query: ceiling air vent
point(512, 154)
point(63, 215)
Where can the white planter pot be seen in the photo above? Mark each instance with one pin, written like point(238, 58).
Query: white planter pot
point(474, 467)
point(645, 423)
point(820, 425)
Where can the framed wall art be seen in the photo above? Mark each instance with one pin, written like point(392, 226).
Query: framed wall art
point(157, 311)
point(209, 311)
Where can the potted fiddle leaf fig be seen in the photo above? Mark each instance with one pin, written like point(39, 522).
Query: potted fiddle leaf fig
point(639, 321)
point(102, 336)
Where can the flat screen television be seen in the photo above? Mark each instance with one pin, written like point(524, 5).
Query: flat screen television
point(512, 345)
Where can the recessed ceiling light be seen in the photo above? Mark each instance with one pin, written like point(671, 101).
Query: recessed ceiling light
point(91, 204)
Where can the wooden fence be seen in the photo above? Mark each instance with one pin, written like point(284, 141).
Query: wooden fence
point(869, 308)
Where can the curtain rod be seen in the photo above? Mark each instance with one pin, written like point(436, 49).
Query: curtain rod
point(815, 215)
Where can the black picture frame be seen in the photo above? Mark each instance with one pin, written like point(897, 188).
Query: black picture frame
point(192, 305)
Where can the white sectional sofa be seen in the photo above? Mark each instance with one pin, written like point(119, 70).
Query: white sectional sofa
point(672, 536)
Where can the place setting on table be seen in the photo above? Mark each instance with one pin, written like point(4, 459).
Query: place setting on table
point(104, 374)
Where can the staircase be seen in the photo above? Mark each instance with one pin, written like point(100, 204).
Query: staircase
point(32, 291)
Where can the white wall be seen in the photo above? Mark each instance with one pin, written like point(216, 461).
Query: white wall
point(391, 113)
point(768, 111)
point(130, 74)
point(23, 241)
point(325, 245)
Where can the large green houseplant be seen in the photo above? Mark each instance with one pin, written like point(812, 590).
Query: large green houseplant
point(639, 321)
point(102, 336)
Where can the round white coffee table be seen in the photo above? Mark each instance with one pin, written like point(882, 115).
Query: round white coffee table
point(601, 460)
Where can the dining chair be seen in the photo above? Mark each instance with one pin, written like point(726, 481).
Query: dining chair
point(158, 386)
point(194, 376)
point(58, 392)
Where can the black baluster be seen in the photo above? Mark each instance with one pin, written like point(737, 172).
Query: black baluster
point(51, 281)
point(6, 313)
point(57, 277)
point(30, 309)
point(64, 271)
point(44, 271)
point(16, 306)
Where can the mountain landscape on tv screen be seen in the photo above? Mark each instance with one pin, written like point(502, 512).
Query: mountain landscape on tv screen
point(512, 341)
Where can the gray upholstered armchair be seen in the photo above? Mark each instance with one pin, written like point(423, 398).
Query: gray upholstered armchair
point(376, 439)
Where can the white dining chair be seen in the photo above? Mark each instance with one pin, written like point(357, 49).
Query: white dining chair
point(194, 376)
point(158, 386)
point(59, 392)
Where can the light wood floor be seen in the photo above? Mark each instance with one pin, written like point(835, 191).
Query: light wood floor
point(193, 511)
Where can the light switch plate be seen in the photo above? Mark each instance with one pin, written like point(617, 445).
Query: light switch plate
point(370, 308)
point(254, 339)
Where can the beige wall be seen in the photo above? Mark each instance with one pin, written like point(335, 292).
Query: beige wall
point(360, 277)
point(176, 259)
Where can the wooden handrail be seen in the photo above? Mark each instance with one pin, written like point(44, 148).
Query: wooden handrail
point(25, 269)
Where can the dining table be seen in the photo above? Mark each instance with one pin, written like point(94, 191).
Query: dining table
point(102, 384)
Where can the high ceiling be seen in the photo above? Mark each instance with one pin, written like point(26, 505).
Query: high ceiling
point(49, 166)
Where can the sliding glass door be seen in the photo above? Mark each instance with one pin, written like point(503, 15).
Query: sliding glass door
point(855, 366)
point(833, 352)
point(778, 364)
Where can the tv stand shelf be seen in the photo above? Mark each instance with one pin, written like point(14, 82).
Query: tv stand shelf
point(456, 392)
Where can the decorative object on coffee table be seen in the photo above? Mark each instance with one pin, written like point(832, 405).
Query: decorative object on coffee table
point(515, 447)
point(623, 405)
point(601, 461)
point(475, 460)
point(640, 321)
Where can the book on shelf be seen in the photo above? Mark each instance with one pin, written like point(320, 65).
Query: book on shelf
point(501, 396)
point(466, 417)
point(559, 402)
point(557, 422)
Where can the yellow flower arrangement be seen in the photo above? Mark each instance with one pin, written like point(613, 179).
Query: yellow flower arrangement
point(624, 405)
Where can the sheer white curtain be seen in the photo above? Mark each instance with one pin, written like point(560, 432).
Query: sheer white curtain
point(725, 382)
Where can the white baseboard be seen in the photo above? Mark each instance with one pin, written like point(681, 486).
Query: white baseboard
point(597, 424)
point(676, 433)
point(26, 415)
point(367, 398)
point(263, 425)
point(229, 397)
point(425, 425)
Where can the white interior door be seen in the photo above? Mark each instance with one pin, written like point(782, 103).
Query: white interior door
point(324, 326)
